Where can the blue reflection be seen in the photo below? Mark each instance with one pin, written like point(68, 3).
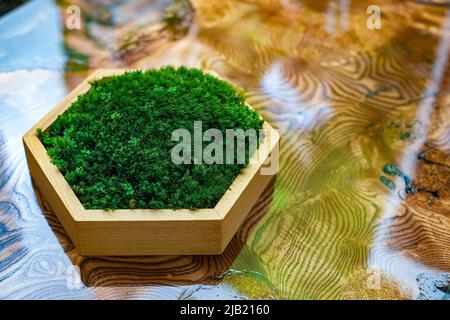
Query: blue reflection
point(31, 37)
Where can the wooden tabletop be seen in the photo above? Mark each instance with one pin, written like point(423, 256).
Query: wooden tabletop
point(361, 204)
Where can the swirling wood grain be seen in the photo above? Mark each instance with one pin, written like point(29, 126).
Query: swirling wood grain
point(346, 101)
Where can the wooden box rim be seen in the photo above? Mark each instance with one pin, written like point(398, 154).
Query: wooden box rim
point(79, 213)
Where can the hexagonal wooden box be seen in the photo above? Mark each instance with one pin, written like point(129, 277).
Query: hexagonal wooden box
point(145, 231)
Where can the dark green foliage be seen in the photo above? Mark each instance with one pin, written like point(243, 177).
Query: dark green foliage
point(76, 61)
point(387, 182)
point(392, 170)
point(177, 18)
point(113, 145)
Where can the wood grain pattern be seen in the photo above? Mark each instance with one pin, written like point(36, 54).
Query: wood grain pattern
point(348, 101)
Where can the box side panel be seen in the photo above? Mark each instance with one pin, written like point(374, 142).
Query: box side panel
point(42, 182)
point(129, 238)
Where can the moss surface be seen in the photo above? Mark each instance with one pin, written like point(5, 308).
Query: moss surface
point(113, 145)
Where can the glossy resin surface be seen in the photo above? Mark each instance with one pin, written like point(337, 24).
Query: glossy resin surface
point(360, 207)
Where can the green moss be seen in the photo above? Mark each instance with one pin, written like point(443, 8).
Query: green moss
point(113, 145)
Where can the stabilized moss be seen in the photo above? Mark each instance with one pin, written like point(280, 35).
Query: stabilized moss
point(113, 145)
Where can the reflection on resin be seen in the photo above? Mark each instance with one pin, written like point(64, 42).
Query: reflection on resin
point(410, 269)
point(360, 207)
